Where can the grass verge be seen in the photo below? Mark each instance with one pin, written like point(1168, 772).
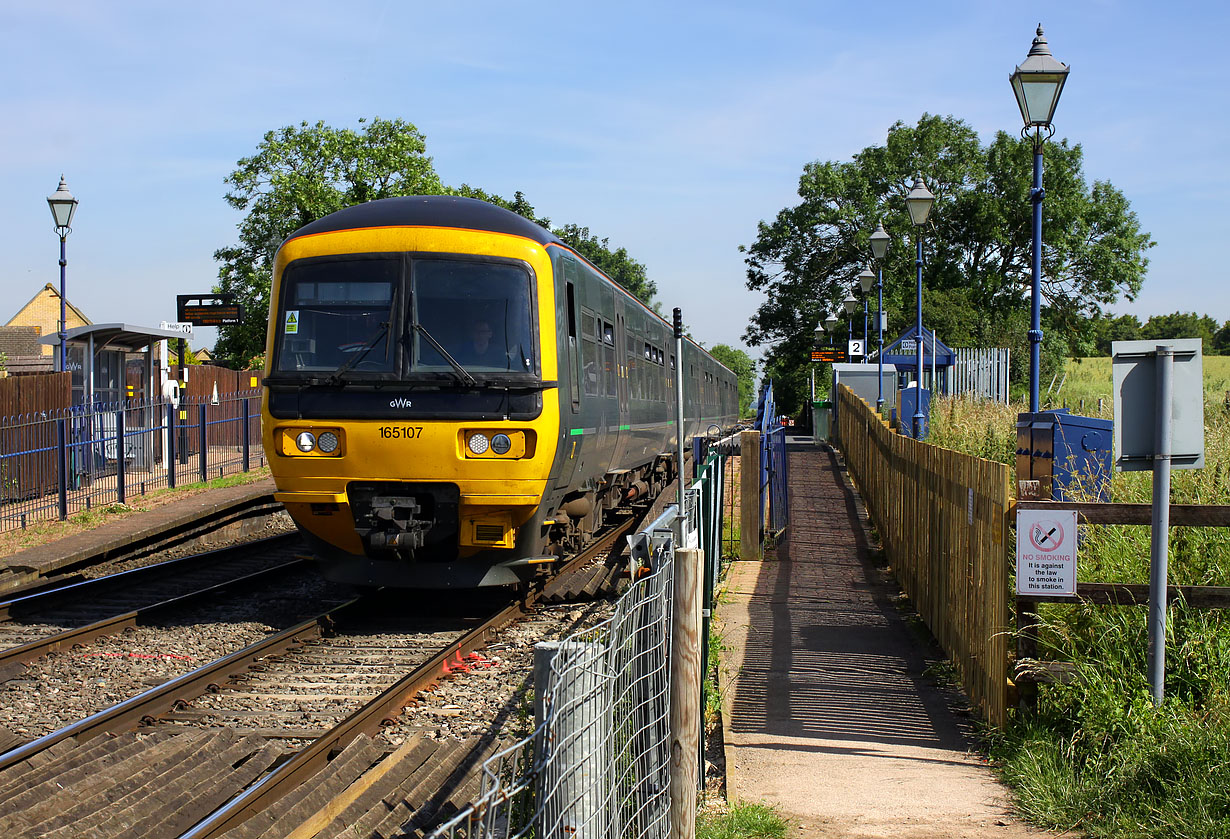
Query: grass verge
point(1097, 755)
point(741, 821)
point(42, 532)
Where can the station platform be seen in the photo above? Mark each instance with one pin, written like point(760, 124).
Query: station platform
point(190, 517)
point(829, 713)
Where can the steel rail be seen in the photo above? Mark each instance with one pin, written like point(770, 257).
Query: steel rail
point(146, 706)
point(74, 586)
point(368, 719)
point(34, 650)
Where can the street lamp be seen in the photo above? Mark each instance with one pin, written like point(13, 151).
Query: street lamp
point(879, 249)
point(850, 304)
point(866, 280)
point(63, 205)
point(1037, 83)
point(919, 202)
point(830, 320)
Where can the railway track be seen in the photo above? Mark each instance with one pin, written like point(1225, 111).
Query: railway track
point(303, 703)
point(34, 625)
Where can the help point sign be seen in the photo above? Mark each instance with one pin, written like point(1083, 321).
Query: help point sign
point(1046, 552)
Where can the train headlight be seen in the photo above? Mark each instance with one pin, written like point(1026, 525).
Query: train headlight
point(327, 442)
point(490, 443)
point(305, 441)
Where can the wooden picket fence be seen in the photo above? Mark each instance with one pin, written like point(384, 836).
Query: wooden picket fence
point(943, 520)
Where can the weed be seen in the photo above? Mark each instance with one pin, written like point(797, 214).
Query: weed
point(742, 821)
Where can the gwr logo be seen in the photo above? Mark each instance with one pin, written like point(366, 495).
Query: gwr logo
point(400, 402)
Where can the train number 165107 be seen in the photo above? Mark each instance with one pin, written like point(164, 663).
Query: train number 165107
point(401, 432)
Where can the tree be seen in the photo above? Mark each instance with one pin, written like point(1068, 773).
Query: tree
point(977, 243)
point(616, 264)
point(1108, 330)
point(301, 173)
point(744, 368)
point(298, 175)
point(1182, 325)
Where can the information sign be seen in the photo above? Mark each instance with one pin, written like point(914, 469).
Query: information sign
point(209, 309)
point(185, 328)
point(1046, 552)
point(856, 347)
point(829, 355)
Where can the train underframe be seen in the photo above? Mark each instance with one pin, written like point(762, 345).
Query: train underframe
point(411, 532)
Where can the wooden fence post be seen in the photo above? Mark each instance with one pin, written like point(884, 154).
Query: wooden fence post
point(685, 693)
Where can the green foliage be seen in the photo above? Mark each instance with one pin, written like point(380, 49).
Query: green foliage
point(1097, 755)
point(298, 175)
point(302, 173)
point(978, 249)
point(744, 368)
point(742, 821)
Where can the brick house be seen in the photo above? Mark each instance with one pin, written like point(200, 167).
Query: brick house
point(43, 313)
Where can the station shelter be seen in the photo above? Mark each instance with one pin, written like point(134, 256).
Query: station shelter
point(938, 360)
point(114, 367)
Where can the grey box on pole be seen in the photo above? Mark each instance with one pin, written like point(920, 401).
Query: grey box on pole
point(1135, 384)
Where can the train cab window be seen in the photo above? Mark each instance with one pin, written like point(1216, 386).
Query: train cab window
point(480, 312)
point(337, 314)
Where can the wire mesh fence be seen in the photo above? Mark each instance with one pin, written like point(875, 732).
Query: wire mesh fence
point(59, 462)
point(598, 761)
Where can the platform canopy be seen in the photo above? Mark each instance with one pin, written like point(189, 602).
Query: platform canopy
point(98, 338)
point(115, 336)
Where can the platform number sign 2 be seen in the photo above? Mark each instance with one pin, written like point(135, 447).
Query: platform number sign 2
point(856, 347)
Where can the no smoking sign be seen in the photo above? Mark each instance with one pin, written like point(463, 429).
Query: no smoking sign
point(1046, 552)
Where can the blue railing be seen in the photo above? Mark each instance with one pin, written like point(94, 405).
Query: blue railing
point(64, 461)
point(774, 474)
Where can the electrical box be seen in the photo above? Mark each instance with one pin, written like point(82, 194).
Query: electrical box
point(1070, 457)
point(907, 399)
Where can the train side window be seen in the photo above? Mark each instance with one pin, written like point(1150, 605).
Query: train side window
point(573, 350)
point(591, 364)
point(608, 359)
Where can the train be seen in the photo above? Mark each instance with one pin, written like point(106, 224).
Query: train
point(454, 398)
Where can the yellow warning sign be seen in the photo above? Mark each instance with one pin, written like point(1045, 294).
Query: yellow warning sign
point(292, 322)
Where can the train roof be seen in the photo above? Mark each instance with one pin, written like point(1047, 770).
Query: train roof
point(429, 211)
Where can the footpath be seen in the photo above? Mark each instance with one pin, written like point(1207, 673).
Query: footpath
point(827, 712)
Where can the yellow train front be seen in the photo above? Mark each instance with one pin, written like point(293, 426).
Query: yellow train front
point(418, 427)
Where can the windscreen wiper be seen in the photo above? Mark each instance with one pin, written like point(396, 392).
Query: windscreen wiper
point(438, 347)
point(335, 378)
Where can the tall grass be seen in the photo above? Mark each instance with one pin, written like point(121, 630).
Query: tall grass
point(1097, 755)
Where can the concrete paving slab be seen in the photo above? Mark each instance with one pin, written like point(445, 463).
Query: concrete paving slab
point(828, 714)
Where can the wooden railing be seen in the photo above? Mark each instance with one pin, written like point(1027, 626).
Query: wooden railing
point(942, 518)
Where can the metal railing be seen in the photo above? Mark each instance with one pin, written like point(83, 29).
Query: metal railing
point(598, 761)
point(774, 476)
point(54, 464)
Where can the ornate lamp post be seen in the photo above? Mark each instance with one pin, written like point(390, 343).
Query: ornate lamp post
point(830, 320)
point(63, 205)
point(1037, 83)
point(866, 280)
point(918, 202)
point(850, 304)
point(879, 249)
point(817, 343)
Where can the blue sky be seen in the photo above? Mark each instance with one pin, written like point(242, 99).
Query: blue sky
point(671, 128)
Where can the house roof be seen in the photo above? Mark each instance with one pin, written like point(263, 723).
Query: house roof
point(19, 340)
point(52, 289)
